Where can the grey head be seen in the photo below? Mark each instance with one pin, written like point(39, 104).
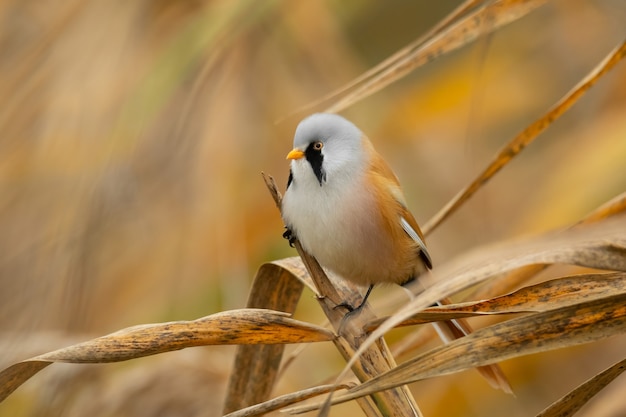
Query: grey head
point(331, 144)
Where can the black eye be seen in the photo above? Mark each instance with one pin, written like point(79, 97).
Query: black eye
point(318, 146)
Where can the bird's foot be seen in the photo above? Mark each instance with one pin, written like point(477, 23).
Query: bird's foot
point(347, 306)
point(290, 236)
point(350, 308)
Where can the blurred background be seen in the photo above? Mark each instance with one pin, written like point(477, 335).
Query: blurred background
point(133, 134)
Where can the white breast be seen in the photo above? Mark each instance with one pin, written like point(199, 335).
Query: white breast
point(334, 223)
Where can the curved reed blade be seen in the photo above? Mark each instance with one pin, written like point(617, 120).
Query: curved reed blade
point(283, 401)
point(247, 326)
point(485, 20)
point(255, 368)
point(547, 295)
point(555, 329)
point(600, 246)
point(526, 137)
point(391, 61)
point(572, 402)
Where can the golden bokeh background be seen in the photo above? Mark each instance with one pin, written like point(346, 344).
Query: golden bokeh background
point(133, 134)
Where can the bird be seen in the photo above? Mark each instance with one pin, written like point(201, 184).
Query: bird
point(345, 206)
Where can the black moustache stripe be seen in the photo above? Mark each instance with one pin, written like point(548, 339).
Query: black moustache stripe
point(315, 158)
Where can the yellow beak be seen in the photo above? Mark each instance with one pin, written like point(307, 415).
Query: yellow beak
point(295, 153)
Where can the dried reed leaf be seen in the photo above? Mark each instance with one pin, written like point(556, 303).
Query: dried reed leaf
point(255, 368)
point(573, 401)
point(527, 136)
point(512, 279)
point(389, 62)
point(613, 207)
point(544, 296)
point(295, 266)
point(551, 294)
point(276, 286)
point(585, 322)
point(283, 401)
point(15, 375)
point(496, 377)
point(541, 297)
point(247, 326)
point(486, 19)
point(449, 330)
point(601, 246)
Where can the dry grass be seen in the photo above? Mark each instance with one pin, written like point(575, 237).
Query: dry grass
point(132, 140)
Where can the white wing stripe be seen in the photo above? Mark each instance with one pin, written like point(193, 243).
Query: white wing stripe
point(413, 235)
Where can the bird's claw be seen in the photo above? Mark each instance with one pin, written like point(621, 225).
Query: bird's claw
point(346, 306)
point(290, 236)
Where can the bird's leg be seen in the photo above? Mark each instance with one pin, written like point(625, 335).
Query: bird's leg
point(290, 236)
point(367, 294)
point(351, 309)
